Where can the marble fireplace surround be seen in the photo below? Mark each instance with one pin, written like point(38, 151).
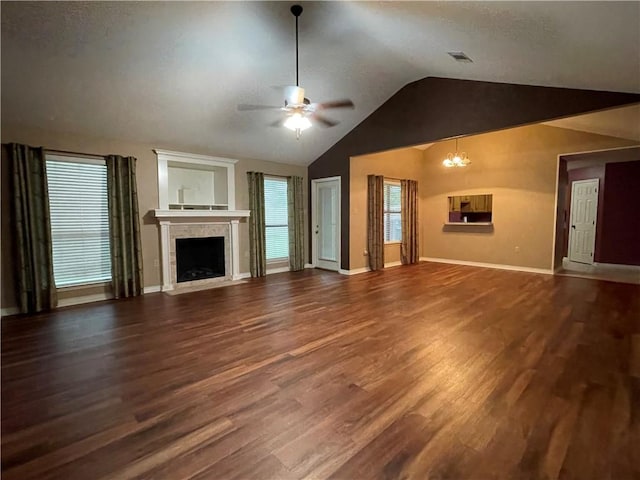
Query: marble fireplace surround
point(197, 224)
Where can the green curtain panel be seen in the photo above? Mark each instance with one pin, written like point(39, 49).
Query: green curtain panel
point(124, 227)
point(295, 200)
point(35, 285)
point(375, 221)
point(257, 241)
point(409, 218)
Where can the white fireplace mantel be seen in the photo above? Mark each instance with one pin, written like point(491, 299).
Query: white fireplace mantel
point(167, 218)
point(209, 207)
point(204, 215)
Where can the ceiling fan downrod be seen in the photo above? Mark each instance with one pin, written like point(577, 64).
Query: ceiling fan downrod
point(297, 11)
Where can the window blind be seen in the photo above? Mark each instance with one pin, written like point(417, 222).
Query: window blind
point(276, 218)
point(79, 221)
point(392, 208)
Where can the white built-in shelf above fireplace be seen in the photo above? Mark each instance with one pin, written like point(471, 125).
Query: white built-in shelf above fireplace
point(197, 198)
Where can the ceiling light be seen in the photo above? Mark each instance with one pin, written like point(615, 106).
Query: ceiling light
point(297, 123)
point(456, 159)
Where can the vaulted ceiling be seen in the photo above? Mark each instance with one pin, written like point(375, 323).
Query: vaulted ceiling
point(171, 73)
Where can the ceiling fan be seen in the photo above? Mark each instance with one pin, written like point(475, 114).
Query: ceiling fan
point(298, 112)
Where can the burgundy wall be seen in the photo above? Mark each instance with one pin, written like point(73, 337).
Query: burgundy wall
point(596, 171)
point(621, 240)
point(434, 108)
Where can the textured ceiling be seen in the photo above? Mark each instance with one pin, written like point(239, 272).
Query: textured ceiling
point(171, 74)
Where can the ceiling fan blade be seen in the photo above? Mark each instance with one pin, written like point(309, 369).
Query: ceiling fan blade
point(325, 122)
point(245, 107)
point(346, 103)
point(278, 123)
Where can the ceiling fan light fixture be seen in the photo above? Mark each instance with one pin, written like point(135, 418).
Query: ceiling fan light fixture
point(297, 122)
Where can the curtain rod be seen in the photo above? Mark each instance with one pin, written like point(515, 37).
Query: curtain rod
point(74, 154)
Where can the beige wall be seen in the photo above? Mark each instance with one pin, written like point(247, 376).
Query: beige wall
point(518, 166)
point(397, 164)
point(147, 192)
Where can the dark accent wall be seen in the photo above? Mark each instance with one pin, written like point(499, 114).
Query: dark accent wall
point(435, 108)
point(621, 241)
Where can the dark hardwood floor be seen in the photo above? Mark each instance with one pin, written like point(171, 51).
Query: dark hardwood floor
point(426, 372)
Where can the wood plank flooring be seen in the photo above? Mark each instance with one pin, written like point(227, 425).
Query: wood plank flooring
point(424, 372)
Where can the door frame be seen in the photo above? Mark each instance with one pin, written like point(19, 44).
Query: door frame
point(314, 218)
point(595, 218)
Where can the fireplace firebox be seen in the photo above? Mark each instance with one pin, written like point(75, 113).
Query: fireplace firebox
point(199, 258)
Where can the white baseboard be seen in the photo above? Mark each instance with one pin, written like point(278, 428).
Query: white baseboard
point(243, 275)
point(618, 266)
point(5, 312)
point(152, 289)
point(354, 271)
point(392, 264)
point(98, 297)
point(309, 265)
point(498, 266)
point(271, 271)
point(357, 271)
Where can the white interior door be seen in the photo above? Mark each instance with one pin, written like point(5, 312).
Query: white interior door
point(584, 210)
point(326, 223)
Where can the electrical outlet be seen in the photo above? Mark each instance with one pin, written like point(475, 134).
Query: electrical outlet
point(365, 253)
point(517, 249)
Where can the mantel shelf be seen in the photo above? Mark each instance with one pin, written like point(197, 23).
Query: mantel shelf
point(161, 214)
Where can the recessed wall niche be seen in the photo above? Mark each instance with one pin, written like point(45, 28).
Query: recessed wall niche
point(195, 182)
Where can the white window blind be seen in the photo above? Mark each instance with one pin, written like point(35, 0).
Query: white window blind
point(79, 220)
point(276, 218)
point(392, 219)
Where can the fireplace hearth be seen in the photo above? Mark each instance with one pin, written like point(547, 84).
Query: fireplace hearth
point(199, 258)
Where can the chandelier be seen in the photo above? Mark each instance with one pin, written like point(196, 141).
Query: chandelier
point(457, 159)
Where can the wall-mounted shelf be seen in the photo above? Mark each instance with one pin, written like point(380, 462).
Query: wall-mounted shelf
point(468, 224)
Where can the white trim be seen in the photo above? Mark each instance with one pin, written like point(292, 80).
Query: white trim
point(5, 312)
point(393, 264)
point(152, 289)
point(618, 266)
point(244, 275)
point(314, 243)
point(209, 215)
point(277, 270)
point(355, 271)
point(309, 265)
point(97, 297)
point(166, 156)
point(499, 266)
point(555, 216)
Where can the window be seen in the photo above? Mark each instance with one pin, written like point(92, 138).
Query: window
point(276, 218)
point(79, 220)
point(392, 206)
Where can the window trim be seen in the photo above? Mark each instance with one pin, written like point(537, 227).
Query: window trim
point(88, 160)
point(395, 183)
point(270, 261)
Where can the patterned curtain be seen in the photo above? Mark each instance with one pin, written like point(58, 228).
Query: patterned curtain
point(295, 201)
point(35, 285)
point(375, 221)
point(409, 216)
point(124, 227)
point(257, 242)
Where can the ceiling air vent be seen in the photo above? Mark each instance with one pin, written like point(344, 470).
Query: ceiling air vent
point(460, 57)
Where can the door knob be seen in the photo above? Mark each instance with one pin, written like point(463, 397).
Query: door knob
point(573, 226)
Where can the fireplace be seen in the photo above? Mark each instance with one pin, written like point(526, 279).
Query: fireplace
point(199, 258)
